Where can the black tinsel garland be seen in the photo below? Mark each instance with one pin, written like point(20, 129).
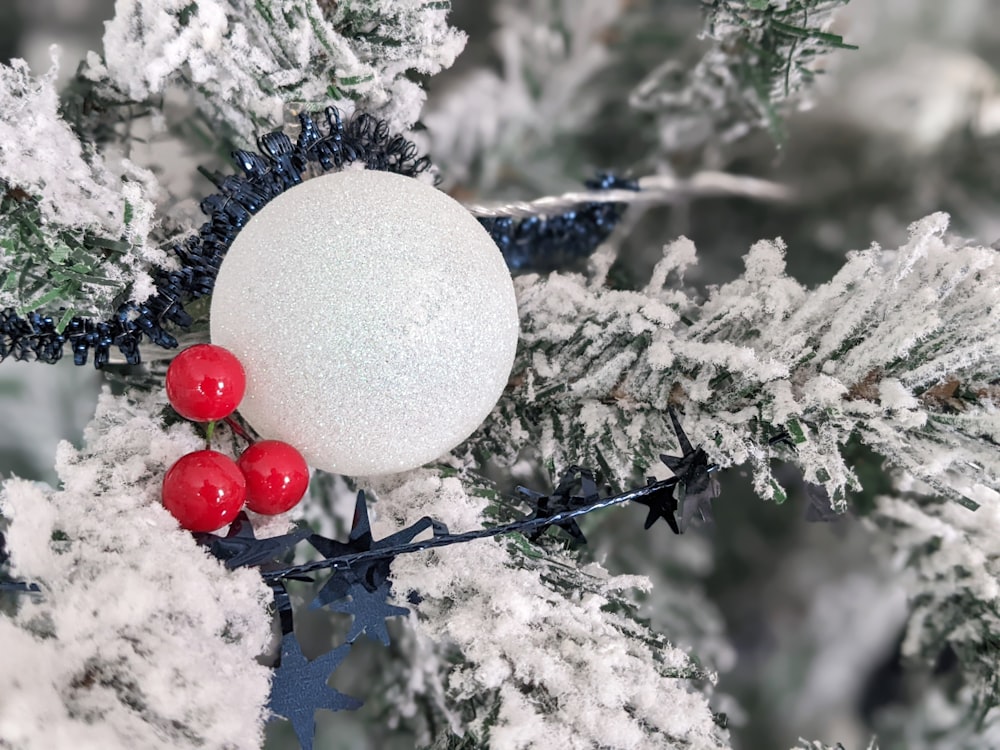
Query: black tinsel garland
point(549, 243)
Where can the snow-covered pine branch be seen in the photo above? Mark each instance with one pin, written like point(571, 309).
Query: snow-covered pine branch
point(488, 119)
point(137, 638)
point(901, 347)
point(534, 650)
point(948, 560)
point(247, 60)
point(74, 227)
point(763, 57)
point(554, 101)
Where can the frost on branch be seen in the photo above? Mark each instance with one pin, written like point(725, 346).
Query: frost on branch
point(544, 656)
point(902, 348)
point(138, 638)
point(246, 59)
point(763, 56)
point(949, 562)
point(74, 230)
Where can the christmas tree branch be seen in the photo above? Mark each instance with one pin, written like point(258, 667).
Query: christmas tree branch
point(74, 234)
point(764, 56)
point(949, 560)
point(565, 657)
point(899, 348)
point(250, 61)
point(113, 651)
point(515, 122)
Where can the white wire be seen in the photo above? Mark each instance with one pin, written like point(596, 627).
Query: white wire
point(652, 189)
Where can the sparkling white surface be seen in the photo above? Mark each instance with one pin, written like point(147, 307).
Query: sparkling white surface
point(375, 318)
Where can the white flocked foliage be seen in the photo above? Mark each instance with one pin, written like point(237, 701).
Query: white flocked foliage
point(489, 119)
point(861, 353)
point(137, 637)
point(564, 672)
point(75, 188)
point(948, 560)
point(247, 59)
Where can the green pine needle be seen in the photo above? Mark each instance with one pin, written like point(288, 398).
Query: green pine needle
point(771, 50)
point(46, 267)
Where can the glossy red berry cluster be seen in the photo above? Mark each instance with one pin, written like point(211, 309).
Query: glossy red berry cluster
point(205, 490)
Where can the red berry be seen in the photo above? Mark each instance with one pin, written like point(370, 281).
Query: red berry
point(204, 490)
point(277, 476)
point(205, 382)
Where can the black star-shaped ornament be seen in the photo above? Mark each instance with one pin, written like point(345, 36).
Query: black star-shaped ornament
point(698, 503)
point(562, 499)
point(363, 588)
point(819, 508)
point(368, 603)
point(694, 474)
point(299, 689)
point(691, 467)
point(661, 504)
point(239, 547)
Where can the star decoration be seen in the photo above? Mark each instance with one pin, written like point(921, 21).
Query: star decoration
point(819, 508)
point(661, 504)
point(692, 466)
point(363, 589)
point(694, 473)
point(563, 499)
point(369, 605)
point(699, 503)
point(299, 689)
point(239, 547)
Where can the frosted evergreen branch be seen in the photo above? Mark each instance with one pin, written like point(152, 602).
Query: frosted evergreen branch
point(949, 560)
point(564, 659)
point(763, 58)
point(74, 233)
point(519, 117)
point(114, 651)
point(248, 60)
point(900, 348)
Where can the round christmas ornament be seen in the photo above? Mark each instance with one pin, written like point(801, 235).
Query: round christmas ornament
point(375, 319)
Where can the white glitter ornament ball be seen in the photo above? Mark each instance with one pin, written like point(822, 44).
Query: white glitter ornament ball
point(375, 319)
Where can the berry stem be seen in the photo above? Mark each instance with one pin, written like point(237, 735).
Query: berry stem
point(238, 430)
point(209, 431)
